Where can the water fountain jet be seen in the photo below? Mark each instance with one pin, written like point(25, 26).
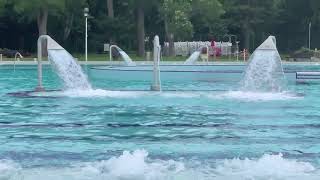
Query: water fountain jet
point(156, 85)
point(64, 64)
point(195, 55)
point(264, 72)
point(124, 55)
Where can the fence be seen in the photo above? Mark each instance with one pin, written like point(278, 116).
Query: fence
point(187, 48)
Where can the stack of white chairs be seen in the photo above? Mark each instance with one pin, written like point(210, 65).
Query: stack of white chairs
point(187, 48)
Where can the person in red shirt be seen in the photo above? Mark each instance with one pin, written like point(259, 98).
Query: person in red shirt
point(213, 46)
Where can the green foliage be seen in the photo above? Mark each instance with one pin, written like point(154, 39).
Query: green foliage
point(177, 18)
point(250, 20)
point(31, 8)
point(2, 6)
point(206, 20)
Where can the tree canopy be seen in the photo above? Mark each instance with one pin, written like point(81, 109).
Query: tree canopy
point(130, 23)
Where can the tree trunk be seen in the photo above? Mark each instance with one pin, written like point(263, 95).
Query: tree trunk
point(110, 15)
point(68, 26)
point(246, 30)
point(42, 27)
point(247, 39)
point(110, 9)
point(246, 33)
point(140, 29)
point(170, 37)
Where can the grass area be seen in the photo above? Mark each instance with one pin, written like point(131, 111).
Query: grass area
point(105, 57)
point(134, 57)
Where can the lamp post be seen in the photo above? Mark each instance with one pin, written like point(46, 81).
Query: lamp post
point(86, 15)
point(310, 35)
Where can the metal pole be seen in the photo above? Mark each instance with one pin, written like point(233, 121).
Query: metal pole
point(156, 86)
point(110, 53)
point(40, 87)
point(310, 36)
point(86, 40)
point(237, 51)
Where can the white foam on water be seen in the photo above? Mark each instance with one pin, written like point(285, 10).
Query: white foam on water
point(102, 93)
point(238, 95)
point(257, 96)
point(9, 170)
point(96, 93)
point(138, 166)
point(268, 167)
point(180, 95)
point(90, 93)
point(68, 70)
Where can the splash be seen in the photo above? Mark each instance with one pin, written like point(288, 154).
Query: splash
point(264, 72)
point(126, 58)
point(91, 93)
point(193, 58)
point(266, 168)
point(96, 93)
point(257, 96)
point(68, 70)
point(137, 165)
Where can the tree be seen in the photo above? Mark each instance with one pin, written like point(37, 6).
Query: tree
point(294, 21)
point(141, 7)
point(246, 16)
point(206, 19)
point(72, 10)
point(39, 9)
point(315, 6)
point(2, 3)
point(110, 9)
point(110, 14)
point(177, 22)
point(140, 28)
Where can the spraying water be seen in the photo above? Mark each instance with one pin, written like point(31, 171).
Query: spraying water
point(68, 70)
point(264, 72)
point(126, 58)
point(193, 58)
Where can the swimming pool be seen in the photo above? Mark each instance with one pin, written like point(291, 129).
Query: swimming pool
point(211, 72)
point(216, 132)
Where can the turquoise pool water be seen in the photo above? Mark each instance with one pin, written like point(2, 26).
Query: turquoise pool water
point(122, 135)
